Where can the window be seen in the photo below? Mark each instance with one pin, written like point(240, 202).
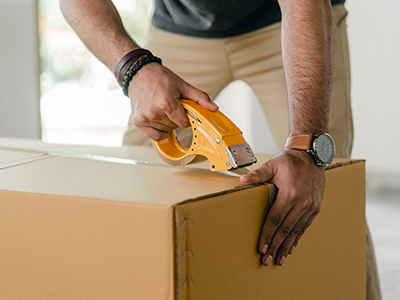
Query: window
point(81, 102)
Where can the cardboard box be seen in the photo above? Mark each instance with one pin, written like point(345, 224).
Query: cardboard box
point(118, 223)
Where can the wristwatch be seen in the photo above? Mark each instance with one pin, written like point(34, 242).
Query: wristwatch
point(321, 147)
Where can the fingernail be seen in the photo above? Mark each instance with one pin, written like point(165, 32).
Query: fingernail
point(215, 105)
point(264, 249)
point(282, 261)
point(268, 260)
point(292, 249)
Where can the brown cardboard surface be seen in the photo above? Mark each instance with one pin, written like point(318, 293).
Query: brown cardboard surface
point(91, 227)
point(63, 247)
point(220, 239)
point(142, 183)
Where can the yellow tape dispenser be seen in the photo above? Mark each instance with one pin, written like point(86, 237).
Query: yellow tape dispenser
point(214, 136)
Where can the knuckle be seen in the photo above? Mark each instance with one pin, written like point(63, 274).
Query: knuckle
point(314, 206)
point(296, 242)
point(139, 120)
point(294, 193)
point(276, 220)
point(165, 106)
point(301, 232)
point(299, 228)
point(295, 232)
point(307, 204)
point(152, 116)
point(136, 122)
point(284, 230)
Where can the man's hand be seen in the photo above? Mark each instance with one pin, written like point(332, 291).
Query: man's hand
point(300, 184)
point(154, 93)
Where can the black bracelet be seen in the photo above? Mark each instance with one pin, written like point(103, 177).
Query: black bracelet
point(136, 67)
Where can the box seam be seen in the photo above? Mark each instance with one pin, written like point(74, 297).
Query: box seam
point(225, 192)
point(341, 164)
point(181, 255)
point(26, 161)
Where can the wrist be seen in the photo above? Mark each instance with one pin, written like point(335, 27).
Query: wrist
point(320, 147)
point(131, 64)
point(127, 61)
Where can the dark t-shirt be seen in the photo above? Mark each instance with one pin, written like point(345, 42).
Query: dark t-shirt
point(214, 18)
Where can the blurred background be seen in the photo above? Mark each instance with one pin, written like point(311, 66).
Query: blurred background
point(52, 88)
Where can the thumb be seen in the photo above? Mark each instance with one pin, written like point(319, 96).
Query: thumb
point(198, 96)
point(263, 174)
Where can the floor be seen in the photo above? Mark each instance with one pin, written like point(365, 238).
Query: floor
point(383, 216)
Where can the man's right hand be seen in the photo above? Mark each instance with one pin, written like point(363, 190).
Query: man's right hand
point(154, 93)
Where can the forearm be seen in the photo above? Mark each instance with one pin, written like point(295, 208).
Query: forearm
point(307, 59)
point(99, 26)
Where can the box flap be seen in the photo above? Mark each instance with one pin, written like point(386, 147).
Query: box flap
point(129, 173)
point(138, 153)
point(142, 183)
point(9, 158)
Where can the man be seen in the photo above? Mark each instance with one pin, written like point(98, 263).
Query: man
point(283, 49)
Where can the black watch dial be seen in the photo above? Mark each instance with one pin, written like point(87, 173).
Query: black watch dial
point(324, 148)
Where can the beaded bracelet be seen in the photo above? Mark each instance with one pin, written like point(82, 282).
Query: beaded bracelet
point(126, 62)
point(136, 67)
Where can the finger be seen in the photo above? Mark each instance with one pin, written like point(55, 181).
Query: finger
point(158, 125)
point(153, 117)
point(176, 114)
point(263, 174)
point(287, 245)
point(154, 134)
point(275, 217)
point(282, 232)
point(298, 237)
point(198, 96)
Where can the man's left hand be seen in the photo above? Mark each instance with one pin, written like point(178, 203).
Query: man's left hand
point(300, 184)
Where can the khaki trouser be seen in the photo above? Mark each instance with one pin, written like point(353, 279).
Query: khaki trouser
point(256, 58)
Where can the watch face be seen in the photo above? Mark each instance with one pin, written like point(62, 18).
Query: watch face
point(324, 148)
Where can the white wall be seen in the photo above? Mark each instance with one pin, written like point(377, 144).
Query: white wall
point(19, 69)
point(374, 37)
point(249, 118)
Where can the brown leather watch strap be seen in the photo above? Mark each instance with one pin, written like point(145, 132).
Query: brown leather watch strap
point(299, 142)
